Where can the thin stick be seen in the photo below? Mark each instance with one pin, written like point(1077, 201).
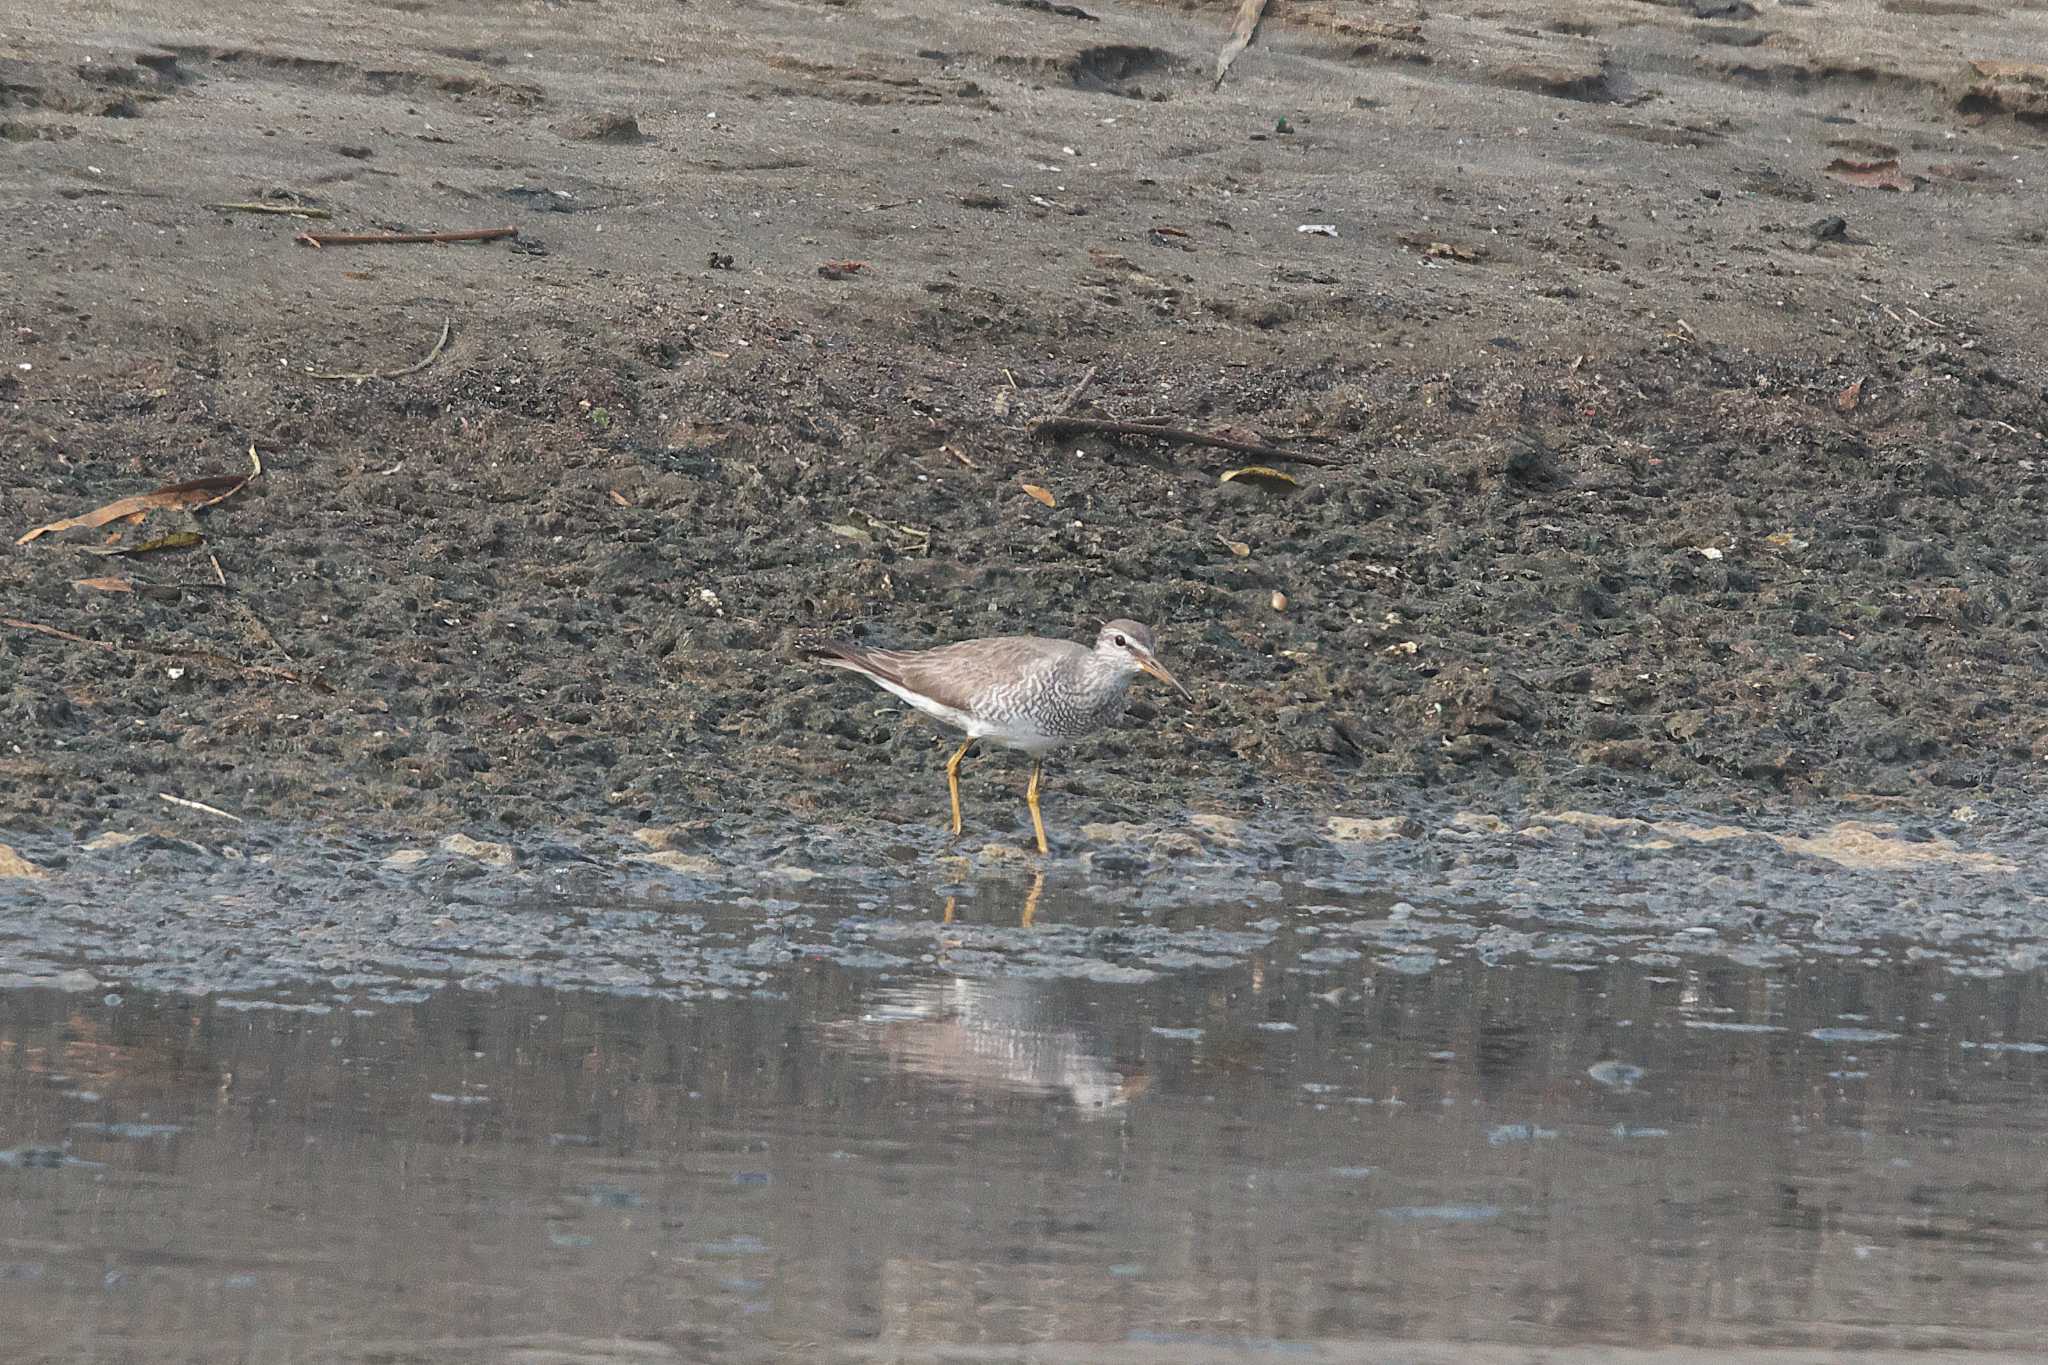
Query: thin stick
point(320, 239)
point(1067, 404)
point(199, 806)
point(1071, 426)
point(292, 209)
point(1248, 15)
point(447, 329)
point(217, 573)
point(203, 655)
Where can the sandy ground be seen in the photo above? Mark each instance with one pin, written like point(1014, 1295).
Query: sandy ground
point(1651, 482)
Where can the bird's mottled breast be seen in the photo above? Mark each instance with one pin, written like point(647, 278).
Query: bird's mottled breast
point(1079, 699)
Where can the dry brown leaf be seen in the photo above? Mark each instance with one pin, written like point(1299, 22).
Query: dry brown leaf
point(1263, 475)
point(839, 270)
point(1041, 494)
point(1871, 175)
point(193, 494)
point(1848, 398)
point(103, 584)
point(621, 499)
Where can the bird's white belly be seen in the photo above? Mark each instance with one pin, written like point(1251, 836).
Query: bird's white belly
point(1029, 740)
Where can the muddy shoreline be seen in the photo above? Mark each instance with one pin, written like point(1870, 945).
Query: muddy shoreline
point(1653, 485)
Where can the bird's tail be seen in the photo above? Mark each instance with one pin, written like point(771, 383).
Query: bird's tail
point(853, 658)
point(840, 654)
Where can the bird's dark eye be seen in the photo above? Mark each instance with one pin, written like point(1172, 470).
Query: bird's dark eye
point(1120, 642)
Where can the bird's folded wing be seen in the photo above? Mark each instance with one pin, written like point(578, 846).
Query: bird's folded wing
point(956, 676)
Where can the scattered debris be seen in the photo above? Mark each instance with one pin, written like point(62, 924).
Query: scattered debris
point(1048, 7)
point(483, 851)
point(1074, 394)
point(1055, 427)
point(720, 261)
point(1278, 601)
point(1848, 398)
point(1833, 228)
point(840, 270)
point(1043, 495)
point(12, 864)
point(1318, 229)
point(192, 495)
point(620, 499)
point(293, 210)
point(447, 329)
point(264, 671)
point(321, 239)
point(174, 540)
point(1236, 547)
point(1443, 251)
point(1241, 33)
point(1962, 173)
point(199, 806)
point(619, 129)
point(1871, 175)
point(915, 540)
point(103, 584)
point(2005, 87)
point(1261, 475)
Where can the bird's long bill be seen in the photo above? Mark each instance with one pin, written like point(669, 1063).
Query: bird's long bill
point(1158, 670)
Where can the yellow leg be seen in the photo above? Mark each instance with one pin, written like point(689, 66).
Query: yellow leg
point(953, 782)
point(1031, 800)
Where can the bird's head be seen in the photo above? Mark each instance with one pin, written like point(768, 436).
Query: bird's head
point(1127, 646)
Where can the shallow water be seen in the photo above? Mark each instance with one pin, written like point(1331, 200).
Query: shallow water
point(1260, 1143)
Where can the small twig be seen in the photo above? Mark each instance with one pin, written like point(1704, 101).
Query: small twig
point(1069, 426)
point(219, 576)
point(915, 541)
point(202, 655)
point(199, 806)
point(294, 210)
point(957, 453)
point(447, 330)
point(320, 239)
point(1067, 403)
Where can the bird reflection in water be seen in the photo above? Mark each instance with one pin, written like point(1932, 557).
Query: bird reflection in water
point(1000, 1035)
point(1030, 903)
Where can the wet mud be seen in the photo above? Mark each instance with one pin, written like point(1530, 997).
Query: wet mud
point(1671, 464)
